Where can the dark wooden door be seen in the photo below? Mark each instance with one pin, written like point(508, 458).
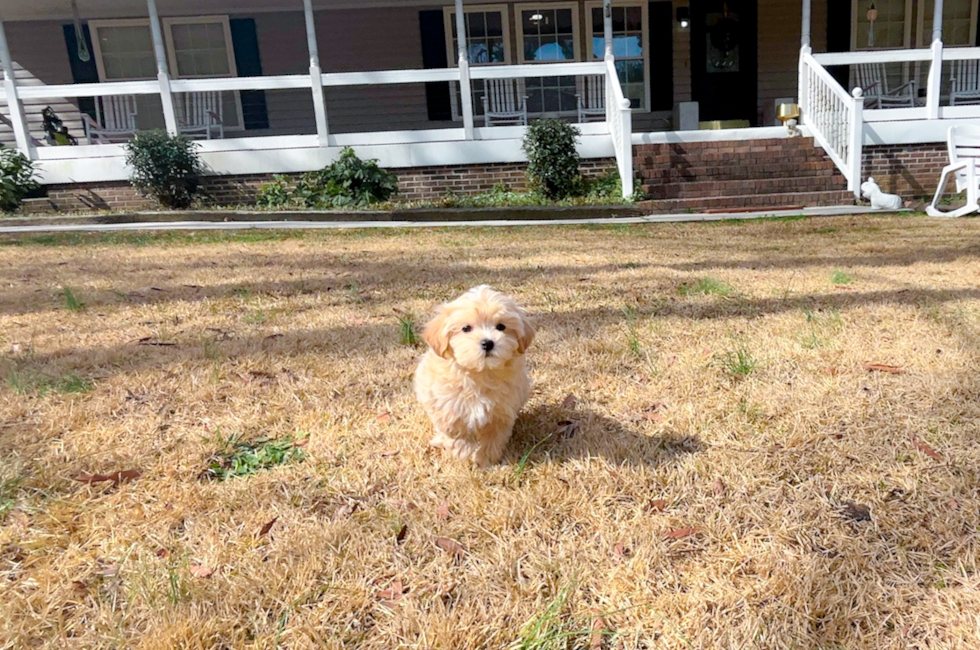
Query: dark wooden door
point(724, 66)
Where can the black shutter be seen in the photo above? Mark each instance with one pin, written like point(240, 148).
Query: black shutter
point(661, 56)
point(839, 36)
point(82, 72)
point(434, 56)
point(246, 45)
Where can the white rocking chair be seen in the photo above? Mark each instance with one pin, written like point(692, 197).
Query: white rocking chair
point(592, 99)
point(116, 120)
point(873, 80)
point(202, 114)
point(964, 150)
point(964, 83)
point(504, 102)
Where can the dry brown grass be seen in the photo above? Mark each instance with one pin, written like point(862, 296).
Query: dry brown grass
point(700, 500)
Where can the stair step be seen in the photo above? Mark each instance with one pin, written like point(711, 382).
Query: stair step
point(746, 202)
point(688, 174)
point(766, 144)
point(752, 187)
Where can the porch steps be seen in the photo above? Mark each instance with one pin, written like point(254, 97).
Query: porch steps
point(708, 176)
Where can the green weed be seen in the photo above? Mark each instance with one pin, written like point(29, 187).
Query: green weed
point(706, 286)
point(71, 302)
point(407, 331)
point(243, 458)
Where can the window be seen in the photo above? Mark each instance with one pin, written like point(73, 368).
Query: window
point(891, 29)
point(197, 47)
point(548, 33)
point(487, 43)
point(959, 23)
point(630, 47)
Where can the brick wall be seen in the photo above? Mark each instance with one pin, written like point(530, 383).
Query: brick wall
point(414, 184)
point(908, 170)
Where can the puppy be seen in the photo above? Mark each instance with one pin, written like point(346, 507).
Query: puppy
point(472, 381)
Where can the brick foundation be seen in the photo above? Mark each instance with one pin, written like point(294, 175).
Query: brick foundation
point(909, 170)
point(414, 184)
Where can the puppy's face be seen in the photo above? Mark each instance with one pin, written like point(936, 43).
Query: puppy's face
point(481, 329)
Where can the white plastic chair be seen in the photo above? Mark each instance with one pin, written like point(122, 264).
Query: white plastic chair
point(592, 99)
point(202, 114)
point(504, 102)
point(873, 80)
point(964, 150)
point(964, 83)
point(116, 119)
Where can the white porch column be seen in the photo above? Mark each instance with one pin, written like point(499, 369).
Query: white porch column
point(607, 37)
point(934, 83)
point(316, 77)
point(465, 92)
point(14, 106)
point(163, 76)
point(805, 49)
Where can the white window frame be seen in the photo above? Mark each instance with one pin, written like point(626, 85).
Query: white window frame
point(576, 38)
point(452, 54)
point(645, 7)
point(167, 23)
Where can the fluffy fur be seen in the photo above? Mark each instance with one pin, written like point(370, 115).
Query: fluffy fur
point(472, 394)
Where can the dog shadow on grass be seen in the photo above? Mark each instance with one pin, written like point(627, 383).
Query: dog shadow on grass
point(551, 432)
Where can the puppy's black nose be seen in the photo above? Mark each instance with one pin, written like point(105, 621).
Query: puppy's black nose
point(487, 345)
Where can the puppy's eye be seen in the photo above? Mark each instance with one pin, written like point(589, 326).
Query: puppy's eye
point(501, 327)
point(467, 328)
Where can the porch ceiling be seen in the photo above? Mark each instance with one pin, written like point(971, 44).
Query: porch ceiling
point(11, 10)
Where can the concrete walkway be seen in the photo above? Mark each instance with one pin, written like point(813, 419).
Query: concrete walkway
point(96, 224)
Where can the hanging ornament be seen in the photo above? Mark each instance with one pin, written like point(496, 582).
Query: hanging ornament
point(83, 53)
point(872, 17)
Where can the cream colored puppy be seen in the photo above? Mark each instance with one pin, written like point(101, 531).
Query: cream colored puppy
point(472, 381)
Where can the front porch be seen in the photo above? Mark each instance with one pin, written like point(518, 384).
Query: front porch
point(291, 89)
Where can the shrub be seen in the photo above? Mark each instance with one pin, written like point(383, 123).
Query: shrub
point(552, 161)
point(16, 178)
point(165, 166)
point(347, 182)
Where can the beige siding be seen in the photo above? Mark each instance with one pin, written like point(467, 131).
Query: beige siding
point(780, 25)
point(40, 57)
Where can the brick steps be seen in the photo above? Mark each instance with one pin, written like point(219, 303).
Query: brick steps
point(700, 176)
point(747, 202)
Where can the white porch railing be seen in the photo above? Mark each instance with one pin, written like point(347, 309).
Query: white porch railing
point(619, 118)
point(834, 118)
point(840, 124)
point(616, 127)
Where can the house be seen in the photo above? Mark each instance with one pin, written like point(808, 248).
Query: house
point(281, 86)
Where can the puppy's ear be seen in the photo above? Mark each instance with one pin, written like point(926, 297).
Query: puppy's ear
point(527, 334)
point(435, 333)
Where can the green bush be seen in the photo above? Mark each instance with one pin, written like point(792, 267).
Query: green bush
point(552, 161)
point(16, 178)
point(347, 182)
point(166, 167)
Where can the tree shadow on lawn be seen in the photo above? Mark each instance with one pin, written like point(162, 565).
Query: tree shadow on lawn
point(550, 432)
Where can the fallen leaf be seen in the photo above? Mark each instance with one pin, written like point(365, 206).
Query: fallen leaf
point(148, 340)
point(384, 417)
point(442, 511)
point(681, 533)
point(620, 550)
point(344, 511)
point(108, 571)
point(117, 477)
point(162, 553)
point(263, 378)
point(273, 336)
point(953, 504)
point(392, 594)
point(450, 546)
point(201, 571)
point(19, 518)
point(193, 286)
point(658, 505)
point(880, 367)
point(302, 442)
point(924, 448)
point(856, 511)
point(400, 537)
point(267, 527)
point(390, 452)
point(598, 631)
point(567, 428)
point(718, 487)
point(569, 402)
point(831, 371)
point(80, 586)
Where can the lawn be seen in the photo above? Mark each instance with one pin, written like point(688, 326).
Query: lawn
point(742, 435)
